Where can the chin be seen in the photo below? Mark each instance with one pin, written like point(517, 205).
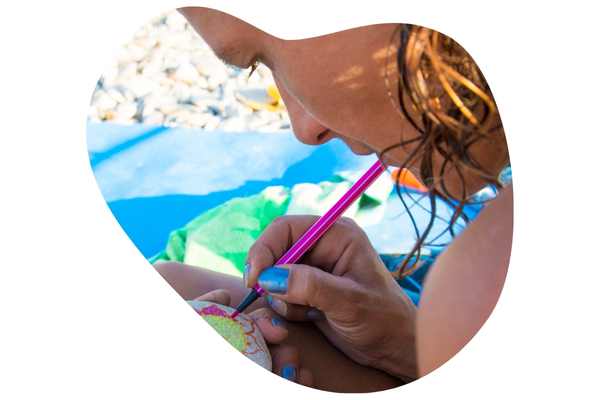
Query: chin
point(356, 147)
point(361, 152)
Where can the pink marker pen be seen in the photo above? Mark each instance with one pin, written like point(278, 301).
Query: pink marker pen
point(321, 225)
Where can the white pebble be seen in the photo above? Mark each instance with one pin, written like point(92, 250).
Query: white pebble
point(168, 75)
point(187, 73)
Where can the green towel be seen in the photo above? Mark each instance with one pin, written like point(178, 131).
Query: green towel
point(220, 238)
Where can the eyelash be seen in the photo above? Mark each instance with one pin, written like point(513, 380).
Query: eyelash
point(253, 67)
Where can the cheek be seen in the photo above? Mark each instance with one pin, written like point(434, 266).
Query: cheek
point(312, 80)
point(345, 91)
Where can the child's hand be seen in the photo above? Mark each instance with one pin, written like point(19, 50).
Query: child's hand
point(286, 358)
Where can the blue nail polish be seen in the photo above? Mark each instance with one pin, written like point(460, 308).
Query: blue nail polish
point(270, 300)
point(289, 372)
point(274, 279)
point(276, 321)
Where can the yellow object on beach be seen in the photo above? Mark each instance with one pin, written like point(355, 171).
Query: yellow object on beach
point(261, 99)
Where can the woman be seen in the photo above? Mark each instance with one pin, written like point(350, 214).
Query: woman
point(415, 98)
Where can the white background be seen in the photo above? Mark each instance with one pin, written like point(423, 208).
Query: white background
point(85, 317)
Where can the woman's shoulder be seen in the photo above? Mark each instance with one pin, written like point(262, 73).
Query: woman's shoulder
point(463, 288)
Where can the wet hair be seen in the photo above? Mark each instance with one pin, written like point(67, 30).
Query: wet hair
point(445, 97)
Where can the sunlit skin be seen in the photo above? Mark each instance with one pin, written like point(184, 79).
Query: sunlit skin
point(342, 88)
point(344, 85)
point(340, 85)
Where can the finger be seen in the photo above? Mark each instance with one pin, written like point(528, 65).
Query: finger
point(259, 257)
point(220, 296)
point(275, 240)
point(294, 312)
point(305, 377)
point(286, 361)
point(280, 235)
point(272, 326)
point(309, 286)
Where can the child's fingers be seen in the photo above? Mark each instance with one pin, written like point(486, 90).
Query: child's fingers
point(294, 312)
point(286, 362)
point(272, 326)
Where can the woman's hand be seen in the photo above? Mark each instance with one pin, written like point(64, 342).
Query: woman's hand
point(343, 287)
point(286, 359)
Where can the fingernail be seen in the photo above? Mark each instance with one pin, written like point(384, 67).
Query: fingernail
point(246, 273)
point(289, 372)
point(278, 305)
point(270, 300)
point(276, 321)
point(314, 315)
point(274, 280)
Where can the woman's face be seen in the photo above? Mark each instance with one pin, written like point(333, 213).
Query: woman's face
point(340, 85)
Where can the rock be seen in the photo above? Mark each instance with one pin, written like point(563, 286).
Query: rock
point(175, 21)
point(122, 93)
point(233, 125)
point(207, 104)
point(135, 53)
point(127, 70)
point(126, 111)
point(110, 76)
point(154, 118)
point(93, 114)
point(187, 73)
point(200, 84)
point(168, 74)
point(241, 332)
point(197, 120)
point(174, 39)
point(230, 111)
point(214, 71)
point(199, 56)
point(152, 68)
point(272, 127)
point(103, 101)
point(141, 86)
point(212, 123)
point(168, 106)
point(181, 92)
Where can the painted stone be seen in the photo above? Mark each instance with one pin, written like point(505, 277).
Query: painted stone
point(241, 332)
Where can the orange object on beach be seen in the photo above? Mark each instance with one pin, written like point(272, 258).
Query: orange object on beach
point(408, 179)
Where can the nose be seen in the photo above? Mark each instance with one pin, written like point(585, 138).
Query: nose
point(305, 127)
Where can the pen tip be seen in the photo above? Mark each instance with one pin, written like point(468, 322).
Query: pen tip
point(249, 299)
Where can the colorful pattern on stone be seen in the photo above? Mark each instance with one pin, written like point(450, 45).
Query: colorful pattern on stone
point(241, 332)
